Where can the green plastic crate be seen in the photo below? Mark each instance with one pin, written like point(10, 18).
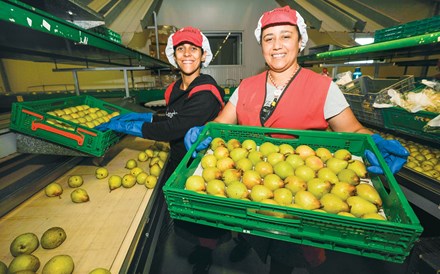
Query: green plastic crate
point(413, 28)
point(400, 120)
point(386, 240)
point(362, 92)
point(31, 118)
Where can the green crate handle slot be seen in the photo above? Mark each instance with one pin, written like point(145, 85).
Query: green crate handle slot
point(37, 125)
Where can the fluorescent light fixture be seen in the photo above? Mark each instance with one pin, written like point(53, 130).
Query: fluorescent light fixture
point(364, 40)
point(360, 62)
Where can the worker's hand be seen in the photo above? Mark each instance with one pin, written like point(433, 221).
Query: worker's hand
point(191, 137)
point(131, 127)
point(135, 116)
point(392, 151)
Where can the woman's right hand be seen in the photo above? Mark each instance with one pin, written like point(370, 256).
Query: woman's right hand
point(191, 137)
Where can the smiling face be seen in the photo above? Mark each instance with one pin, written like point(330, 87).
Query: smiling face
point(189, 58)
point(280, 45)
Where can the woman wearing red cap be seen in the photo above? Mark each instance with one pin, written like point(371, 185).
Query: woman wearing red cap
point(193, 100)
point(288, 96)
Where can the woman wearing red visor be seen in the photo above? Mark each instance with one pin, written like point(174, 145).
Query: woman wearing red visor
point(289, 96)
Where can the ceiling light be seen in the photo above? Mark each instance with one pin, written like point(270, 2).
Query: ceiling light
point(364, 40)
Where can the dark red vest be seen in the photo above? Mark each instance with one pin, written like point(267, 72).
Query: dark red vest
point(301, 106)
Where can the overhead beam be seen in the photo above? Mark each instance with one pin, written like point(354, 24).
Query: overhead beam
point(148, 19)
point(372, 13)
point(311, 20)
point(346, 19)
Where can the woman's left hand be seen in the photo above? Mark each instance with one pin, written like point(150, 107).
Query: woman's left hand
point(392, 151)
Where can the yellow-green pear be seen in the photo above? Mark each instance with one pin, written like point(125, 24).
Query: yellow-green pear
point(267, 148)
point(359, 206)
point(59, 264)
point(233, 143)
point(141, 178)
point(114, 182)
point(295, 184)
point(249, 145)
point(270, 212)
point(215, 187)
point(304, 172)
point(211, 173)
point(283, 169)
point(237, 190)
point(343, 190)
point(53, 237)
point(273, 181)
point(195, 183)
point(286, 149)
point(163, 155)
point(25, 243)
point(155, 170)
point(327, 174)
point(100, 270)
point(53, 190)
point(150, 181)
point(131, 163)
point(358, 167)
point(336, 164)
point(208, 160)
point(349, 176)
point(314, 162)
point(342, 154)
point(376, 216)
point(318, 187)
point(217, 142)
point(304, 151)
point(369, 193)
point(101, 173)
point(283, 196)
point(79, 195)
point(333, 204)
point(346, 214)
point(135, 171)
point(323, 153)
point(128, 180)
point(260, 192)
point(3, 268)
point(75, 181)
point(306, 200)
point(24, 262)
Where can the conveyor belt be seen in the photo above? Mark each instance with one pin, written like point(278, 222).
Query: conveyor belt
point(22, 175)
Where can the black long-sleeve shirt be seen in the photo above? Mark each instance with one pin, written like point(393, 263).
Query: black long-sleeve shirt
point(183, 113)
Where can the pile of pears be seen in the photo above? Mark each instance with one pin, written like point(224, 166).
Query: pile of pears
point(24, 261)
point(25, 244)
point(301, 177)
point(156, 156)
point(82, 115)
point(422, 159)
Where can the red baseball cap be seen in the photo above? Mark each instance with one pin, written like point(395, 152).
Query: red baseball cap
point(188, 34)
point(284, 15)
point(278, 16)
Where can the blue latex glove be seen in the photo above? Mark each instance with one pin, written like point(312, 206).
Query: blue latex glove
point(134, 116)
point(191, 137)
point(393, 152)
point(131, 127)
